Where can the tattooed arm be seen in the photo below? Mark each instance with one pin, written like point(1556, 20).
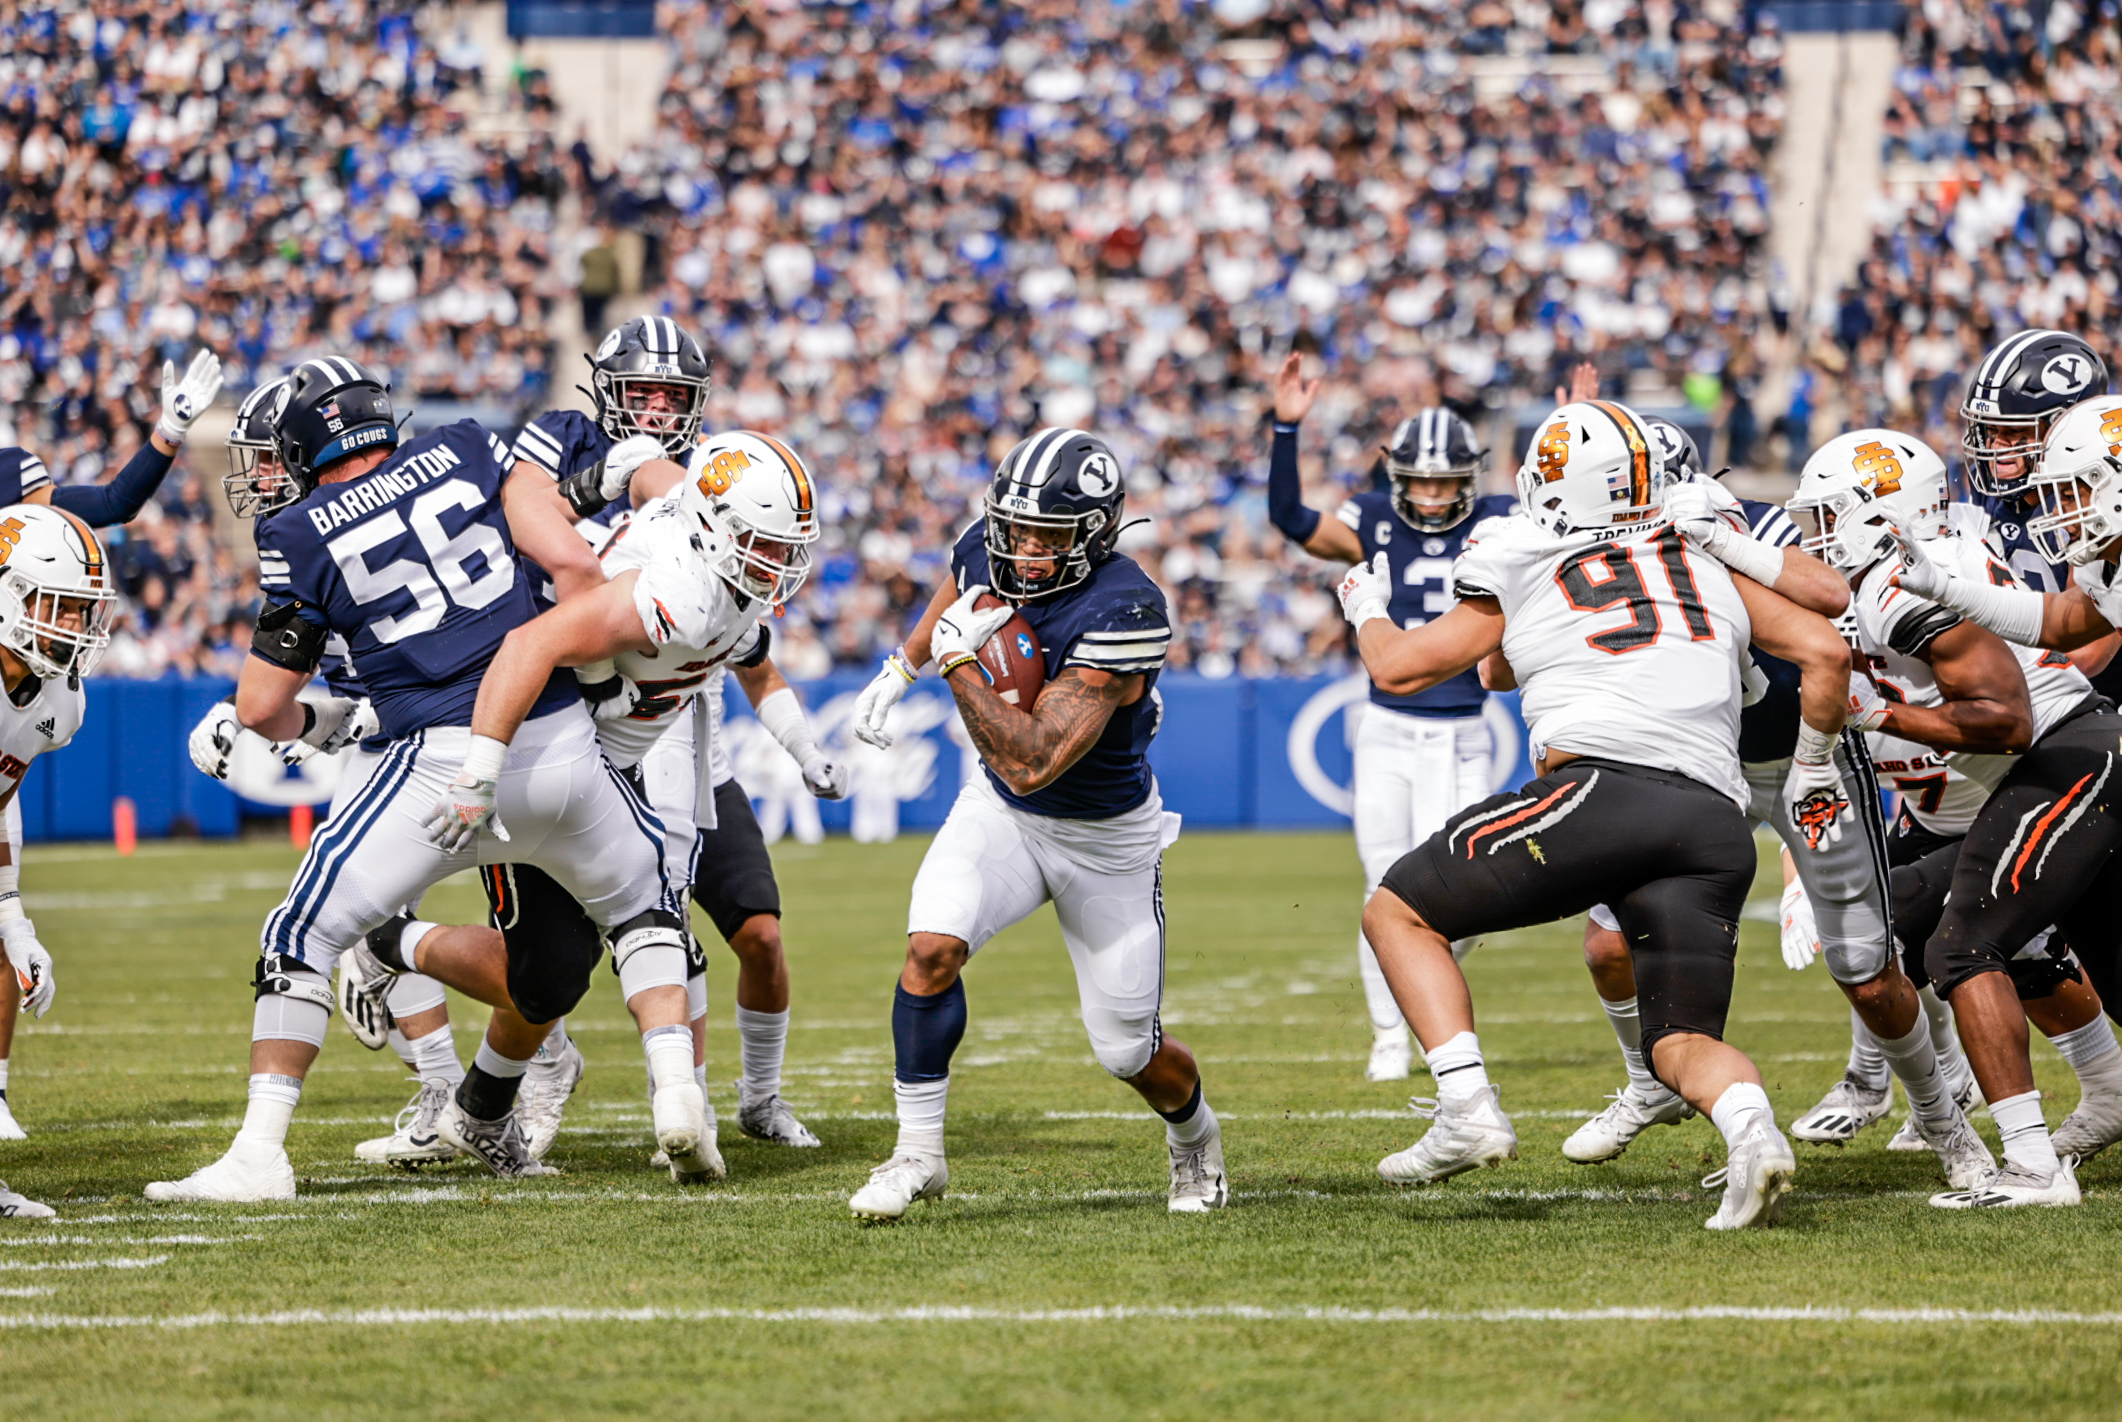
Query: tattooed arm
point(1030, 750)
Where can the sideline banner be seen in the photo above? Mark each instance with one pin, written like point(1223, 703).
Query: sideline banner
point(1232, 753)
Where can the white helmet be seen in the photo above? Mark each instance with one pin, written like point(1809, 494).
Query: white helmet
point(1853, 479)
point(2080, 483)
point(1592, 465)
point(57, 598)
point(753, 498)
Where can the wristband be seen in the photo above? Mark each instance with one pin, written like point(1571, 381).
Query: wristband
point(2014, 614)
point(782, 715)
point(962, 659)
point(483, 760)
point(1748, 556)
point(899, 663)
point(11, 892)
point(1285, 427)
point(1815, 747)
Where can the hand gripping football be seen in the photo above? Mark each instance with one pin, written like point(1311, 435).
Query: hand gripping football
point(1012, 660)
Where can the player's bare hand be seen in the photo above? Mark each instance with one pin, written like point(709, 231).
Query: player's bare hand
point(1583, 384)
point(1293, 393)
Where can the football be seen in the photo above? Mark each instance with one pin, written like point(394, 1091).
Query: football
point(1012, 660)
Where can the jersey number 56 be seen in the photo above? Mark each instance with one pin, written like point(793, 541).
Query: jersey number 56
point(434, 581)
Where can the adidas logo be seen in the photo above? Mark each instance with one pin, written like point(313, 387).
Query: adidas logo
point(48, 727)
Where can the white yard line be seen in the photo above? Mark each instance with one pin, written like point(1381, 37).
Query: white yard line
point(148, 1263)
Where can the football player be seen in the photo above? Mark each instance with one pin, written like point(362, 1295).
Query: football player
point(404, 550)
point(1066, 808)
point(1627, 640)
point(693, 575)
point(1418, 759)
point(2041, 850)
point(25, 480)
point(57, 603)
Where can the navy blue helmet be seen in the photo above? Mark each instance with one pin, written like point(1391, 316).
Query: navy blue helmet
point(1054, 503)
point(254, 484)
point(1679, 457)
point(1433, 443)
point(329, 408)
point(638, 356)
point(2015, 395)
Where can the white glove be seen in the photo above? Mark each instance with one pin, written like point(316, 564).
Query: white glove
point(213, 741)
point(1819, 806)
point(825, 777)
point(1699, 501)
point(963, 629)
point(1920, 573)
point(1366, 592)
point(469, 806)
point(610, 694)
point(183, 401)
point(1801, 940)
point(623, 458)
point(1868, 710)
point(33, 966)
point(334, 723)
point(875, 703)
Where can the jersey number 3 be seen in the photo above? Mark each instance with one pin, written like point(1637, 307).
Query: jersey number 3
point(1609, 576)
point(441, 578)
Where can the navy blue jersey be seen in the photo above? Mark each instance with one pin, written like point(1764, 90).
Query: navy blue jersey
point(2008, 541)
point(1114, 621)
point(21, 474)
point(337, 668)
point(564, 442)
point(1421, 565)
point(413, 566)
point(1768, 729)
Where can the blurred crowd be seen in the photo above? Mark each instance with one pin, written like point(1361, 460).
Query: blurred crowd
point(2014, 218)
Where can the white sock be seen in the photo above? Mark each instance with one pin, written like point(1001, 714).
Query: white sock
point(1952, 1060)
point(1915, 1061)
point(3, 1077)
point(1458, 1068)
point(1735, 1110)
point(1627, 1023)
point(1866, 1062)
point(494, 1064)
point(921, 1106)
point(435, 1056)
point(670, 1055)
point(403, 1046)
point(1384, 1012)
point(271, 1107)
point(2090, 1050)
point(1194, 1129)
point(554, 1046)
point(763, 1038)
point(409, 942)
point(2025, 1133)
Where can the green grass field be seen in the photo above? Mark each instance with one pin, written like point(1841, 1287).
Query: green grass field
point(1051, 1282)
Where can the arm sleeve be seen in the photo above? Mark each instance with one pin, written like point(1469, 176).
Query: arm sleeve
point(1285, 490)
point(119, 501)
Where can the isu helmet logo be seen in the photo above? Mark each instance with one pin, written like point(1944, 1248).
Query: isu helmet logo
point(1552, 452)
point(2111, 431)
point(10, 535)
point(2067, 374)
point(1879, 466)
point(1099, 476)
point(725, 469)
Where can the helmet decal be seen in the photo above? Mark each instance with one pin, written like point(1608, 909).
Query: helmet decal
point(1552, 453)
point(1879, 467)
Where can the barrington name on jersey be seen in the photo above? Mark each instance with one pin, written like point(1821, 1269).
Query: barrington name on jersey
point(415, 468)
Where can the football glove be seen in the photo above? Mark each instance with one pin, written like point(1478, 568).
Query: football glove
point(1819, 806)
point(963, 629)
point(1920, 573)
point(213, 740)
point(1366, 592)
point(468, 807)
point(608, 479)
point(183, 401)
point(875, 703)
point(33, 966)
point(1801, 940)
point(610, 694)
point(825, 777)
point(329, 727)
point(1868, 710)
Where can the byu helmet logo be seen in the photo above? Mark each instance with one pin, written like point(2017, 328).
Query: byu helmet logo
point(610, 347)
point(1099, 476)
point(2067, 374)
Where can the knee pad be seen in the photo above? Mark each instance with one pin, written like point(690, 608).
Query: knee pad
point(649, 951)
point(415, 992)
point(1123, 1048)
point(696, 997)
point(294, 1001)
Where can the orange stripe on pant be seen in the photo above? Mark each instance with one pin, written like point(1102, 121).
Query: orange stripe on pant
point(1525, 814)
point(2041, 828)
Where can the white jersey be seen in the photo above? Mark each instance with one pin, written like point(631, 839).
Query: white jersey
point(1626, 648)
point(1895, 628)
point(2098, 581)
point(45, 722)
point(1937, 795)
point(696, 620)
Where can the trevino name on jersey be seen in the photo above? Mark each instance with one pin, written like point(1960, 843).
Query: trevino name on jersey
point(412, 564)
point(698, 622)
point(1113, 621)
point(1895, 628)
point(1421, 566)
point(1625, 646)
point(21, 474)
point(28, 729)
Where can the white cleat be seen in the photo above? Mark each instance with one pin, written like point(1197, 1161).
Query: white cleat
point(498, 1144)
point(235, 1179)
point(1475, 1135)
point(22, 1207)
point(2015, 1185)
point(1392, 1056)
point(685, 1129)
point(1613, 1130)
point(542, 1098)
point(1965, 1159)
point(767, 1118)
point(895, 1185)
point(364, 984)
point(1848, 1108)
point(1910, 1139)
point(416, 1139)
point(10, 1129)
point(2092, 1128)
point(1198, 1182)
point(1756, 1176)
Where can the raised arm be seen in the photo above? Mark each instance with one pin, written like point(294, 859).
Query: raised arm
point(1320, 536)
